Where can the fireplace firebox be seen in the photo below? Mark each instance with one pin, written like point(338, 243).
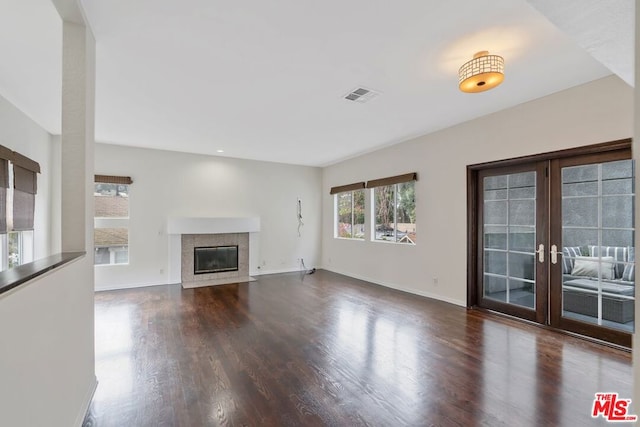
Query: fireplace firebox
point(215, 259)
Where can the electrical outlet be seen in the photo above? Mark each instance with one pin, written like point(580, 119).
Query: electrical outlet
point(435, 282)
point(162, 271)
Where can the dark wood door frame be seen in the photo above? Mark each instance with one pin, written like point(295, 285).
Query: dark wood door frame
point(557, 320)
point(595, 153)
point(541, 299)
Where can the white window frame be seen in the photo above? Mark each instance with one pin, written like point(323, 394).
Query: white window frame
point(395, 217)
point(25, 237)
point(336, 216)
point(108, 222)
point(25, 248)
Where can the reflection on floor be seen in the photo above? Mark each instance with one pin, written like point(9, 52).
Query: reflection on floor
point(325, 349)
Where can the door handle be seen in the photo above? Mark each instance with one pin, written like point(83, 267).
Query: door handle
point(540, 253)
point(554, 254)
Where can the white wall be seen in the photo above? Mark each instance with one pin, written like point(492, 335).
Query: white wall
point(19, 133)
point(46, 337)
point(55, 195)
point(169, 184)
point(596, 112)
point(46, 325)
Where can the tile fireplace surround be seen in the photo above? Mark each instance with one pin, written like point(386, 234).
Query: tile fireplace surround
point(187, 233)
point(191, 241)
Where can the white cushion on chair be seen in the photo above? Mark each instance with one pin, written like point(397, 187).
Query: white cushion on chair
point(602, 267)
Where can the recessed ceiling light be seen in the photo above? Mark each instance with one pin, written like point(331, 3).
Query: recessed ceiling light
point(219, 151)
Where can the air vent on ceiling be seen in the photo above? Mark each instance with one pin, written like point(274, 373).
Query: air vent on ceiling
point(361, 95)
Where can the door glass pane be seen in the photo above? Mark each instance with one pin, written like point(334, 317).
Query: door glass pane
point(509, 225)
point(598, 256)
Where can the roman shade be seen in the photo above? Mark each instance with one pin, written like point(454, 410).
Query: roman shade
point(24, 162)
point(25, 187)
point(4, 184)
point(24, 180)
point(113, 179)
point(398, 179)
point(348, 187)
point(24, 198)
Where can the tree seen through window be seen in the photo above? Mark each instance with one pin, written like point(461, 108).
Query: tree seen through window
point(395, 212)
point(350, 220)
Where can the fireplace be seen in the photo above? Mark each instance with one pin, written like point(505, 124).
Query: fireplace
point(215, 259)
point(185, 234)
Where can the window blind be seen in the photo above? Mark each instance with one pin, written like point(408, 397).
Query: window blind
point(24, 180)
point(113, 179)
point(5, 156)
point(4, 184)
point(348, 187)
point(24, 162)
point(398, 179)
point(25, 188)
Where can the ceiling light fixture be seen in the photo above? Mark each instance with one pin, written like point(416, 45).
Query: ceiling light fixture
point(219, 151)
point(482, 73)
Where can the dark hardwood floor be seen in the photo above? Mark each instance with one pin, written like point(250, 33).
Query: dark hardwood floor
point(331, 350)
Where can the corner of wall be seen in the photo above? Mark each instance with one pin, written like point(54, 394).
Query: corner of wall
point(55, 194)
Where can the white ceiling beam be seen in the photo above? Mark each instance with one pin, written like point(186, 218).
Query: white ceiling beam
point(605, 29)
point(70, 11)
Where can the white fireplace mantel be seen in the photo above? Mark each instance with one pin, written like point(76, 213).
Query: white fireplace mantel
point(186, 225)
point(176, 227)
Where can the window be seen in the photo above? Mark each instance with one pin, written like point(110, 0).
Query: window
point(16, 248)
point(350, 214)
point(18, 189)
point(111, 223)
point(394, 210)
point(348, 211)
point(14, 241)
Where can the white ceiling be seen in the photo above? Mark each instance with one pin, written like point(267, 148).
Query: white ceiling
point(602, 28)
point(265, 80)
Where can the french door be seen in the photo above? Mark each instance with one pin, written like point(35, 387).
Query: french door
point(512, 215)
point(553, 241)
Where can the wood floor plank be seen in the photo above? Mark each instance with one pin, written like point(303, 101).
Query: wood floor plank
point(329, 350)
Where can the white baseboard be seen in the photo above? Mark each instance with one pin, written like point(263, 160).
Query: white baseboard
point(278, 271)
point(400, 288)
point(129, 286)
point(86, 402)
point(143, 285)
point(216, 282)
